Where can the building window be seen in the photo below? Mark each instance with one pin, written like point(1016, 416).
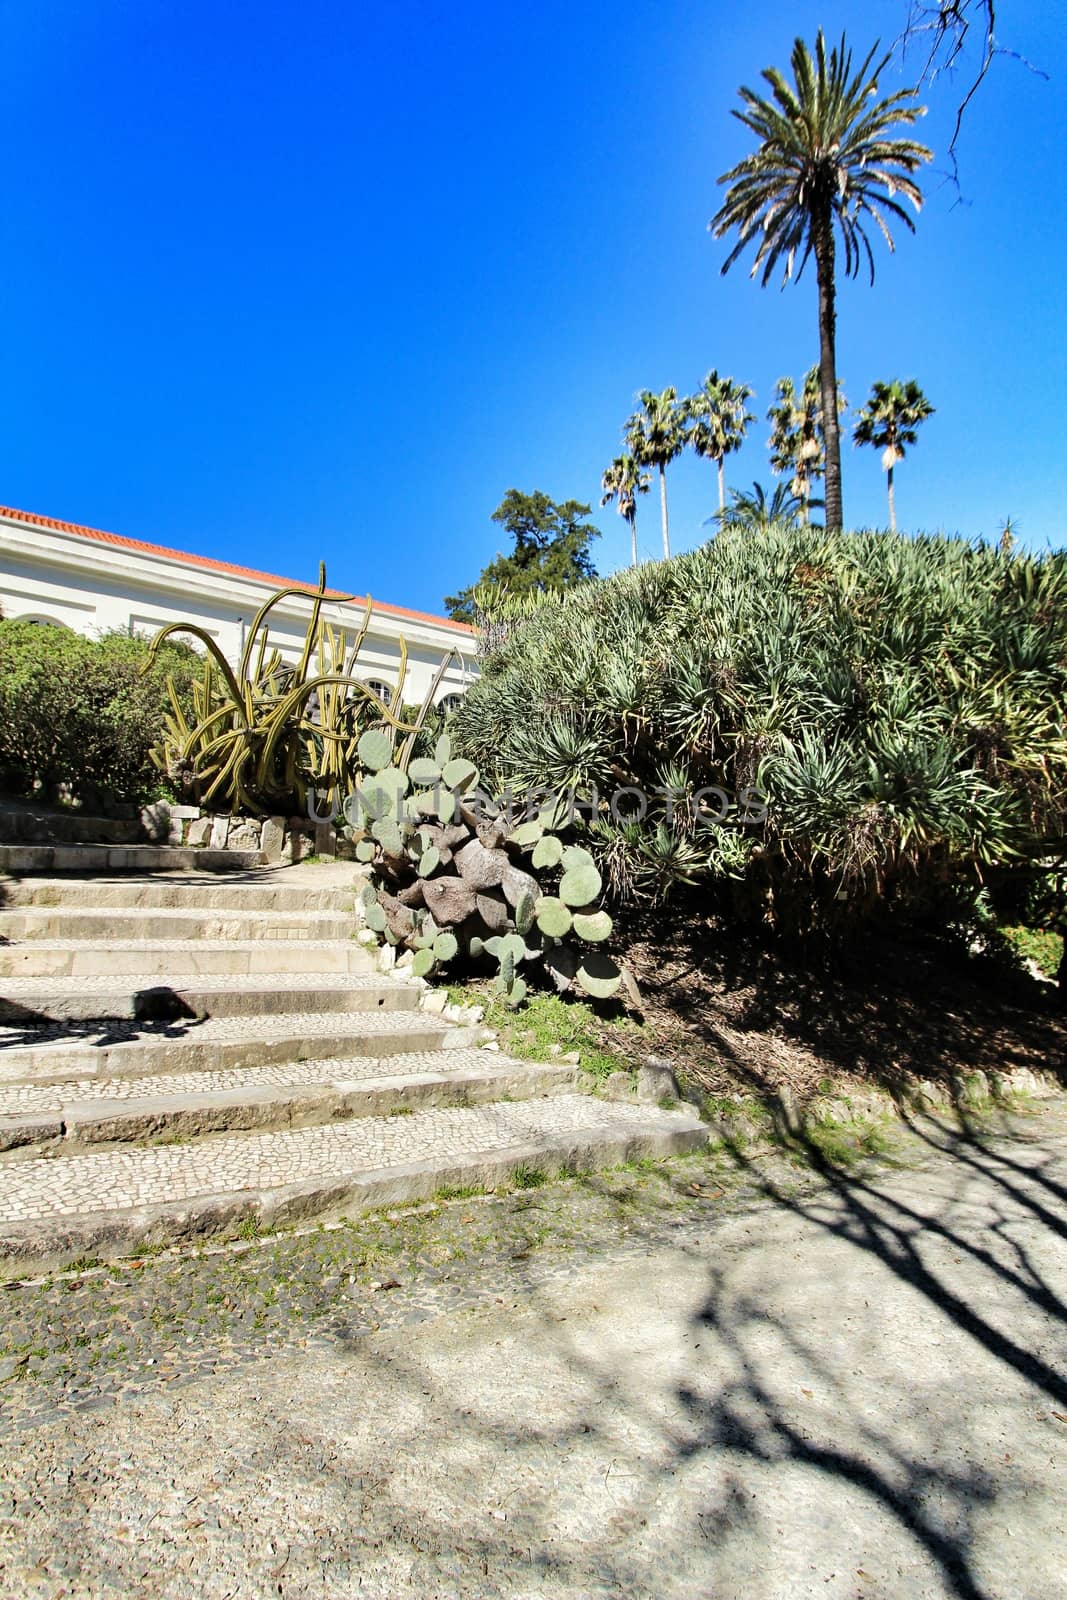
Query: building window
point(450, 703)
point(378, 687)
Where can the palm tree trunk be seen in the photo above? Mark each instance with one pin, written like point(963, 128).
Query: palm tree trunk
point(663, 509)
point(892, 502)
point(722, 485)
point(633, 540)
point(823, 243)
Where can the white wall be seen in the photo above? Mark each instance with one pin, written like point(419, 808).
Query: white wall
point(63, 576)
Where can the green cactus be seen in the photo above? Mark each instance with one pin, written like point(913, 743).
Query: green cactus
point(598, 976)
point(525, 912)
point(539, 926)
point(581, 883)
point(375, 749)
point(527, 833)
point(548, 851)
point(594, 926)
point(374, 917)
point(423, 963)
point(388, 836)
point(459, 774)
point(424, 772)
point(553, 917)
point(429, 861)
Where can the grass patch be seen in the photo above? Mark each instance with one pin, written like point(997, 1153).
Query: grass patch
point(525, 1177)
point(463, 1191)
point(1042, 946)
point(549, 1026)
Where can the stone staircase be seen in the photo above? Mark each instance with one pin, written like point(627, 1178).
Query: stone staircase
point(185, 1051)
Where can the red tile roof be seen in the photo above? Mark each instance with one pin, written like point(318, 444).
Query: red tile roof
point(121, 542)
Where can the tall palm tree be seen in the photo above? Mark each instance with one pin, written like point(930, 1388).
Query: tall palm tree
point(623, 482)
point(656, 435)
point(825, 161)
point(889, 421)
point(797, 441)
point(719, 421)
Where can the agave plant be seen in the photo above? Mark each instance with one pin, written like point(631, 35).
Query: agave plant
point(898, 703)
point(264, 733)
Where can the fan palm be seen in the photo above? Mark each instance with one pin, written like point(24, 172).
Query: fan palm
point(656, 435)
point(797, 442)
point(623, 482)
point(719, 421)
point(889, 421)
point(825, 160)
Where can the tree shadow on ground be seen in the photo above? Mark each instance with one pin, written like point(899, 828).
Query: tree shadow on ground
point(848, 1387)
point(856, 1399)
point(885, 1010)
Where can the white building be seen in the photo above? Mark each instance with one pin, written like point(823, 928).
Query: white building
point(93, 582)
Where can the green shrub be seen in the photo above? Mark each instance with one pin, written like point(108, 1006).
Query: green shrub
point(81, 712)
point(898, 702)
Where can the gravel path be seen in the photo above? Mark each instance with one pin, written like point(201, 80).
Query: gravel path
point(729, 1377)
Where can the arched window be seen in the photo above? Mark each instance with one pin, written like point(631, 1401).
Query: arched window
point(43, 622)
point(380, 688)
point(450, 703)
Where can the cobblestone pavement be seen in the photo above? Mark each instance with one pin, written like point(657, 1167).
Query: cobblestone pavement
point(133, 1176)
point(727, 1375)
point(207, 1030)
point(37, 1099)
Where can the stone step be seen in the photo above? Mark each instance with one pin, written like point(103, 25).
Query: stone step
point(23, 858)
point(178, 959)
point(279, 889)
point(39, 1001)
point(48, 923)
point(189, 1104)
point(24, 824)
point(109, 1203)
point(121, 1050)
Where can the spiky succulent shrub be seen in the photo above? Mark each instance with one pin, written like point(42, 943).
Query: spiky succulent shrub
point(452, 879)
point(260, 735)
point(898, 703)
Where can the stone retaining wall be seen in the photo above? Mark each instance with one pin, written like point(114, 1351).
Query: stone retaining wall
point(281, 839)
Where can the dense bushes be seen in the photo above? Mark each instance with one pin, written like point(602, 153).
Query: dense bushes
point(899, 703)
point(80, 712)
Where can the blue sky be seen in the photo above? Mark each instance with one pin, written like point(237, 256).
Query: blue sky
point(296, 281)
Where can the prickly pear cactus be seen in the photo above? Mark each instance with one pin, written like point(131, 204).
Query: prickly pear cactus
point(453, 875)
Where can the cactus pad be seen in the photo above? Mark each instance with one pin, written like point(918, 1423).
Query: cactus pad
point(375, 749)
point(580, 884)
point(594, 926)
point(553, 917)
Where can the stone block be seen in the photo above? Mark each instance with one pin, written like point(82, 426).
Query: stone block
point(656, 1080)
point(220, 828)
point(243, 835)
point(272, 838)
point(325, 840)
point(156, 820)
point(199, 832)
